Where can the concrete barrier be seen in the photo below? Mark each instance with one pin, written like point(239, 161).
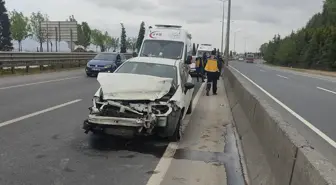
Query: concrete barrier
point(275, 153)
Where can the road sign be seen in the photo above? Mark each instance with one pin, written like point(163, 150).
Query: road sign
point(60, 30)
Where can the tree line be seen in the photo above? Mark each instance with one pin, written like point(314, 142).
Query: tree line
point(16, 26)
point(311, 47)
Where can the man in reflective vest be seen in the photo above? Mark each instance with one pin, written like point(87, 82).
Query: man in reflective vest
point(213, 69)
point(199, 68)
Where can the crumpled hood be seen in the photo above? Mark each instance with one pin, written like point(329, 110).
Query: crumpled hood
point(123, 86)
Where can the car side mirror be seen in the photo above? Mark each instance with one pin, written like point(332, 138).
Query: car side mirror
point(188, 60)
point(188, 86)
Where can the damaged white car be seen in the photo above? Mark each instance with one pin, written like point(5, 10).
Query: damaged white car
point(144, 96)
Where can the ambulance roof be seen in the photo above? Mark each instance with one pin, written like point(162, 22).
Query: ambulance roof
point(205, 47)
point(167, 32)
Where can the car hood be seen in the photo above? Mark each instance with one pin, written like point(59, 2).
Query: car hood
point(123, 86)
point(100, 62)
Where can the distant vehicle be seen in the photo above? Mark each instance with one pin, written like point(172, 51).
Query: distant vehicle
point(249, 58)
point(204, 48)
point(167, 41)
point(153, 97)
point(104, 62)
point(241, 58)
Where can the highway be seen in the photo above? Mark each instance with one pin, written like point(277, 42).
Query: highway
point(311, 97)
point(42, 141)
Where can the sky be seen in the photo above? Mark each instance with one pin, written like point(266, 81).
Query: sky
point(253, 21)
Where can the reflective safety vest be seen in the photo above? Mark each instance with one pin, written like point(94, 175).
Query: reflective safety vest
point(198, 62)
point(211, 66)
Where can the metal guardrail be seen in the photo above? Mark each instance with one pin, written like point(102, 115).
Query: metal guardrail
point(27, 59)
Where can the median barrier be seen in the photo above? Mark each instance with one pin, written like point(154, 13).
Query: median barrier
point(275, 153)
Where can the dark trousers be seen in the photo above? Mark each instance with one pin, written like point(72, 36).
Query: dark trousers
point(212, 78)
point(200, 73)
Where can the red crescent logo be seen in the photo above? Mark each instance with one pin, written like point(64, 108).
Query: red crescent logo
point(154, 34)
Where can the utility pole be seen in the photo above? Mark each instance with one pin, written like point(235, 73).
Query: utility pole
point(227, 48)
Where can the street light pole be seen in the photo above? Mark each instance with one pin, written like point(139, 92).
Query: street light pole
point(234, 42)
point(227, 45)
point(223, 26)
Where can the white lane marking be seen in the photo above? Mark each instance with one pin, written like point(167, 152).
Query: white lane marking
point(262, 70)
point(38, 112)
point(165, 161)
point(282, 76)
point(42, 82)
point(305, 74)
point(326, 90)
point(311, 126)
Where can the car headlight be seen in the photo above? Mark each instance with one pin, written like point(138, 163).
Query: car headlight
point(108, 66)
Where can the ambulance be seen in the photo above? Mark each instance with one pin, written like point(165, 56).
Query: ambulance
point(204, 48)
point(167, 41)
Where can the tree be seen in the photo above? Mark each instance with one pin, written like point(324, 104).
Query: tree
point(84, 34)
point(141, 35)
point(131, 43)
point(194, 49)
point(312, 46)
point(20, 27)
point(123, 42)
point(5, 33)
point(37, 33)
point(99, 39)
point(116, 44)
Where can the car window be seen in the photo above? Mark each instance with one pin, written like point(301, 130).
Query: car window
point(105, 56)
point(159, 70)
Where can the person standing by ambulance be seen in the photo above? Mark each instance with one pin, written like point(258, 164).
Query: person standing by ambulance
point(213, 69)
point(199, 69)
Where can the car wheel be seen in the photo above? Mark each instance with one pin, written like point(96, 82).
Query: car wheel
point(178, 132)
point(88, 75)
point(190, 108)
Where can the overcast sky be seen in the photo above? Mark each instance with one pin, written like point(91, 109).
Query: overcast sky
point(258, 20)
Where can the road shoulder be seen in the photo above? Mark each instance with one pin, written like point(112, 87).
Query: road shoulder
point(208, 153)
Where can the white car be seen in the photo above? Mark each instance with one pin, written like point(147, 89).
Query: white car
point(144, 96)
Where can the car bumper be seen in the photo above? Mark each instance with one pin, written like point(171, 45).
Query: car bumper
point(91, 71)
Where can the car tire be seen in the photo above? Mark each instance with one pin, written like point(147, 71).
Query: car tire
point(190, 107)
point(178, 131)
point(88, 75)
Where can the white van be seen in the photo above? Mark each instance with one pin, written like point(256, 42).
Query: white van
point(167, 41)
point(204, 48)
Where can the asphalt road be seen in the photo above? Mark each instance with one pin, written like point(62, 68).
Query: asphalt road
point(42, 141)
point(313, 97)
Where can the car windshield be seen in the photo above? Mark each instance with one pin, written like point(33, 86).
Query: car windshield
point(105, 56)
point(162, 48)
point(159, 70)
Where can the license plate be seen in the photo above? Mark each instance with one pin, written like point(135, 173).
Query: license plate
point(95, 69)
